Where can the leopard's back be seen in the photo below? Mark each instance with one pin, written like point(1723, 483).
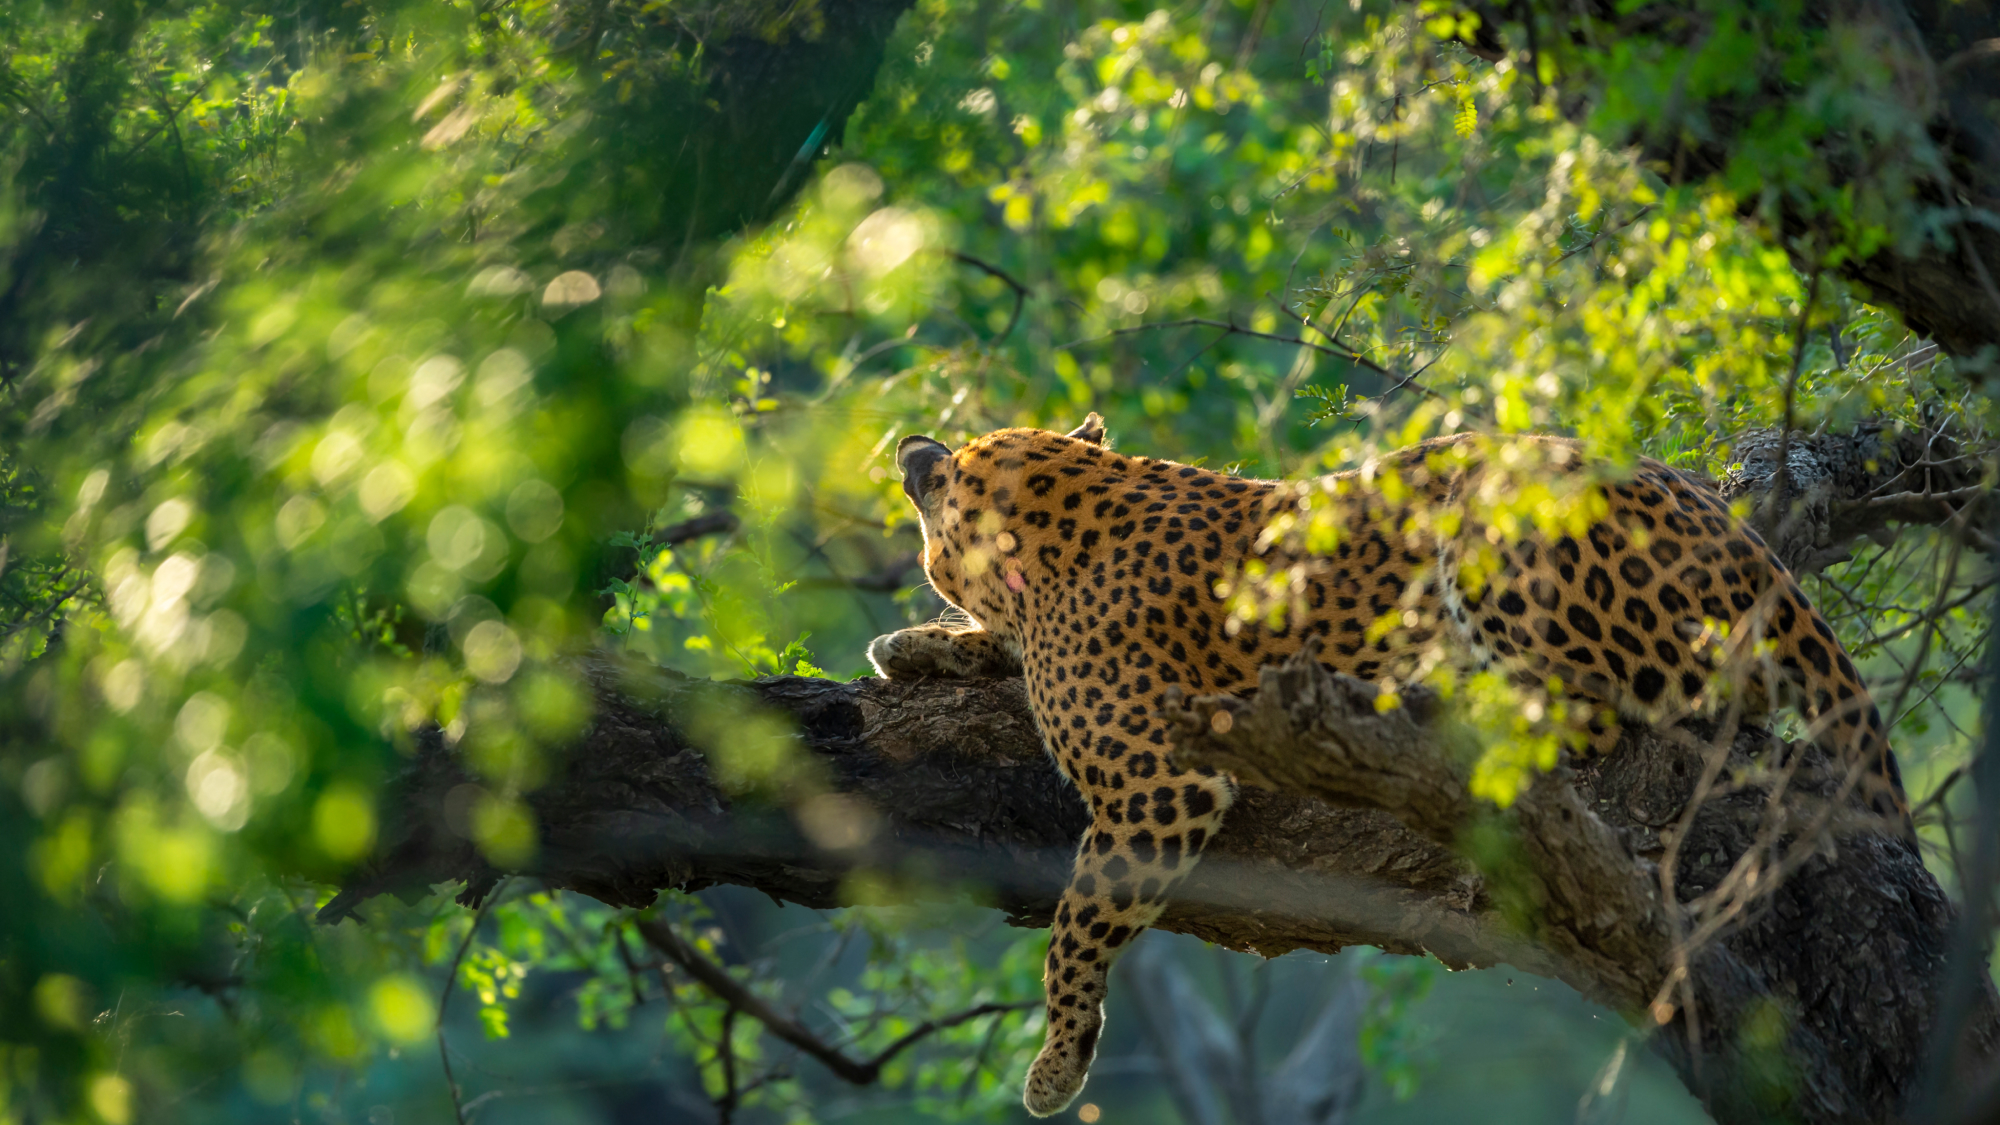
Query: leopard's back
point(1133, 576)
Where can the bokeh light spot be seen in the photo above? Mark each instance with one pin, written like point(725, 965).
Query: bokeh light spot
point(219, 789)
point(344, 822)
point(886, 239)
point(711, 442)
point(111, 1099)
point(402, 1007)
point(534, 510)
point(571, 289)
point(167, 521)
point(203, 721)
point(62, 1001)
point(385, 490)
point(457, 537)
point(505, 830)
point(492, 651)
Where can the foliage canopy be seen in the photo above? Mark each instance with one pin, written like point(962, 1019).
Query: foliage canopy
point(360, 359)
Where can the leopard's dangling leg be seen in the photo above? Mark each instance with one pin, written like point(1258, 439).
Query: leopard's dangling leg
point(1146, 834)
point(1150, 823)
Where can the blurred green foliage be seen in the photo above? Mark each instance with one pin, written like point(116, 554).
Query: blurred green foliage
point(360, 359)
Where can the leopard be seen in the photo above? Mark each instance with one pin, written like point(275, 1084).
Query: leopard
point(1113, 584)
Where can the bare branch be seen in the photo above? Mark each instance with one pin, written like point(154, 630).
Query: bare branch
point(1020, 290)
point(1353, 356)
point(1599, 234)
point(444, 1004)
point(719, 522)
point(1234, 329)
point(662, 936)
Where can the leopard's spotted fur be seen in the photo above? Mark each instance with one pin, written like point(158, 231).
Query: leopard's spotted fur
point(1096, 575)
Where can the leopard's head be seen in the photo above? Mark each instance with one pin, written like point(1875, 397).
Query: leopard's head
point(958, 496)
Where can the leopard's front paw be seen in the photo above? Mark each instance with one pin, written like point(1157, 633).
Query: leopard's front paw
point(1057, 1075)
point(937, 650)
point(908, 654)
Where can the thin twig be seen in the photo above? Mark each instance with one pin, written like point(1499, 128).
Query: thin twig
point(1927, 616)
point(1781, 485)
point(1020, 290)
point(1411, 378)
point(1334, 338)
point(631, 967)
point(444, 1002)
point(1601, 232)
point(1190, 361)
point(1750, 879)
point(725, 1102)
point(1231, 328)
point(719, 522)
point(54, 605)
point(1679, 980)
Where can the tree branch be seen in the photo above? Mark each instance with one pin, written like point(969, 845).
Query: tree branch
point(1311, 732)
point(444, 1004)
point(1856, 484)
point(956, 790)
point(1008, 279)
point(663, 937)
point(1588, 844)
point(1347, 833)
point(722, 521)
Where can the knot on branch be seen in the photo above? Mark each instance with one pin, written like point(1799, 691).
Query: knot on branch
point(1838, 487)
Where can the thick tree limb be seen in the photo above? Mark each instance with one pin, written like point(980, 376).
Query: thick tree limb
point(953, 791)
point(1353, 830)
point(958, 796)
point(1310, 732)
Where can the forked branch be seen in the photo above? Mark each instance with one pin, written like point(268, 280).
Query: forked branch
point(662, 936)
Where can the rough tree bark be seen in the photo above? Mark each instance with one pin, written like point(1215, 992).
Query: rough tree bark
point(1816, 1002)
point(1857, 484)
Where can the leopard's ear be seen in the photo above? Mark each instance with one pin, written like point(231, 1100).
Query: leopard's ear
point(921, 459)
point(1092, 429)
